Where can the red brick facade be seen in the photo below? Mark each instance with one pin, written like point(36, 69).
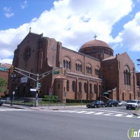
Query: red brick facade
point(87, 74)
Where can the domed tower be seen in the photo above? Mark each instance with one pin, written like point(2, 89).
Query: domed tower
point(97, 48)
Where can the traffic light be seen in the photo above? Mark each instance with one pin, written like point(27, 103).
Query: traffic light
point(62, 70)
point(12, 69)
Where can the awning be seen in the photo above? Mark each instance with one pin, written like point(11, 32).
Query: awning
point(106, 93)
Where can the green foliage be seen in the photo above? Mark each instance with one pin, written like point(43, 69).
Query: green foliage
point(2, 84)
point(52, 98)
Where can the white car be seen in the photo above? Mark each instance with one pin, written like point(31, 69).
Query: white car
point(122, 103)
point(133, 104)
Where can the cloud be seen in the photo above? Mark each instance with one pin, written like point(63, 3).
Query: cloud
point(71, 22)
point(8, 13)
point(24, 5)
point(130, 36)
point(9, 61)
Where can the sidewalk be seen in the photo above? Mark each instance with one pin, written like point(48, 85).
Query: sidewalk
point(47, 107)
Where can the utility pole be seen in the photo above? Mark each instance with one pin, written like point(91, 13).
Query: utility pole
point(28, 75)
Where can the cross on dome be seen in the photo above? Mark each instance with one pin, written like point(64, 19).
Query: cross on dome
point(95, 37)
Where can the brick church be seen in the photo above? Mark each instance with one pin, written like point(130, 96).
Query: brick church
point(91, 73)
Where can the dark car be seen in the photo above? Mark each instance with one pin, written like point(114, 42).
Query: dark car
point(1, 102)
point(112, 103)
point(95, 104)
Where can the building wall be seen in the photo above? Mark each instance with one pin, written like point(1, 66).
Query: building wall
point(47, 54)
point(127, 92)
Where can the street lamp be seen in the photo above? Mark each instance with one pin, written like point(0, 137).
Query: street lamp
point(53, 50)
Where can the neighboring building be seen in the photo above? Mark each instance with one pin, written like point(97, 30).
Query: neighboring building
point(91, 73)
point(4, 74)
point(138, 84)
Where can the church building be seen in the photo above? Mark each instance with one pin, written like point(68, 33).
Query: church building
point(91, 73)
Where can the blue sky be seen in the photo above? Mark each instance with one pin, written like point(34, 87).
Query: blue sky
point(72, 22)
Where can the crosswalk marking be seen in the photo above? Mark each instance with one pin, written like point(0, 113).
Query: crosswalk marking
point(81, 111)
point(89, 112)
point(118, 115)
point(129, 116)
point(99, 113)
point(108, 114)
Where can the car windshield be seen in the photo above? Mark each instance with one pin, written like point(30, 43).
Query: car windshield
point(132, 101)
point(109, 101)
point(95, 102)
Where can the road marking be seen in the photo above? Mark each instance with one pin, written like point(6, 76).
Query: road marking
point(139, 117)
point(129, 116)
point(118, 115)
point(110, 111)
point(89, 112)
point(81, 111)
point(71, 111)
point(99, 113)
point(108, 114)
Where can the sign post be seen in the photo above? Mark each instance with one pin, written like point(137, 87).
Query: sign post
point(50, 94)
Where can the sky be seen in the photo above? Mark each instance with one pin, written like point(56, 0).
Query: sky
point(72, 22)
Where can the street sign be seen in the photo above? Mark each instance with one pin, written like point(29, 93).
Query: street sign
point(39, 85)
point(32, 89)
point(56, 72)
point(50, 91)
point(23, 80)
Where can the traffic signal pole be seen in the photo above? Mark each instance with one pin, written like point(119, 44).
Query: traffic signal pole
point(37, 79)
point(37, 89)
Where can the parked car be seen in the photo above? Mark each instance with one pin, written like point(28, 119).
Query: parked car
point(133, 104)
point(97, 103)
point(1, 103)
point(122, 103)
point(112, 103)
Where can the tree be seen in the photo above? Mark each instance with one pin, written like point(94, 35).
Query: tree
point(2, 84)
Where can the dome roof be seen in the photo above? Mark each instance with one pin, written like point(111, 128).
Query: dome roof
point(95, 43)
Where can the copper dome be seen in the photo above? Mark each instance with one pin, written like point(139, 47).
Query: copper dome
point(95, 43)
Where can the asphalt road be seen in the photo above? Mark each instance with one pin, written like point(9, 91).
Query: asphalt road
point(55, 125)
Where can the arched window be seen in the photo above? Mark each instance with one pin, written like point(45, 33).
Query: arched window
point(80, 87)
point(127, 75)
point(88, 69)
point(85, 87)
point(66, 63)
point(95, 89)
point(78, 66)
point(67, 85)
point(73, 86)
point(90, 88)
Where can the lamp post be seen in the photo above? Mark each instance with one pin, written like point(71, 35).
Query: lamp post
point(53, 50)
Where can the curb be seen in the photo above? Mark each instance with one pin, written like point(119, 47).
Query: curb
point(17, 107)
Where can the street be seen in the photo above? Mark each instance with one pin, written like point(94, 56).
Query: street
point(67, 124)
